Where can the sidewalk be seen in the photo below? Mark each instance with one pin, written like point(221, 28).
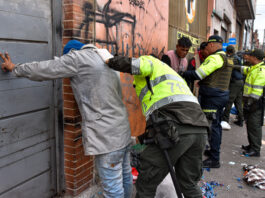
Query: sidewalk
point(228, 174)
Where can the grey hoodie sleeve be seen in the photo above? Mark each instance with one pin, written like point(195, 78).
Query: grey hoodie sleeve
point(62, 67)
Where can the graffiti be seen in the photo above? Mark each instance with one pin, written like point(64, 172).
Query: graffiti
point(138, 3)
point(128, 28)
point(118, 29)
point(88, 10)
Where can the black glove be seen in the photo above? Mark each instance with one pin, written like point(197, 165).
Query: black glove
point(121, 64)
point(181, 73)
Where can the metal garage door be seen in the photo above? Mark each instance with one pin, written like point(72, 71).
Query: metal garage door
point(28, 138)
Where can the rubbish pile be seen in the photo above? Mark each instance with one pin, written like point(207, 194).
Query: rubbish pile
point(254, 176)
point(207, 189)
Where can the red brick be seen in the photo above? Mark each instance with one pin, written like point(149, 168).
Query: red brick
point(82, 175)
point(69, 191)
point(68, 1)
point(69, 178)
point(68, 15)
point(85, 166)
point(69, 164)
point(66, 81)
point(70, 157)
point(72, 127)
point(81, 189)
point(67, 89)
point(68, 8)
point(68, 142)
point(69, 97)
point(78, 167)
point(68, 32)
point(70, 104)
point(71, 185)
point(68, 24)
point(76, 171)
point(73, 149)
point(72, 135)
point(72, 119)
point(71, 112)
point(85, 180)
point(82, 161)
point(76, 8)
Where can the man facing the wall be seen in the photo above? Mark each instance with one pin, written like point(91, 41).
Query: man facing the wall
point(97, 90)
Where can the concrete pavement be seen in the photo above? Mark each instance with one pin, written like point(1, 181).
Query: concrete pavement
point(228, 173)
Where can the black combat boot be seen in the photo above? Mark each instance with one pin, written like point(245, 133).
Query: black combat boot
point(239, 122)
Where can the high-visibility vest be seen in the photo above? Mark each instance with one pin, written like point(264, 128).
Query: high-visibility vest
point(216, 71)
point(167, 86)
point(255, 80)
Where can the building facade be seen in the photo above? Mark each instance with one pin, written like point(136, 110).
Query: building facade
point(232, 19)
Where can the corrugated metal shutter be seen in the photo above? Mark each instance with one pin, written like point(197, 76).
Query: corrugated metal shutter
point(27, 132)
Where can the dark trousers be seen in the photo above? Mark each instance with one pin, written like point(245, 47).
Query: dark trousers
point(216, 101)
point(235, 96)
point(254, 129)
point(186, 156)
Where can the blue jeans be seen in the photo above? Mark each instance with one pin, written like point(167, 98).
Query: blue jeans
point(115, 173)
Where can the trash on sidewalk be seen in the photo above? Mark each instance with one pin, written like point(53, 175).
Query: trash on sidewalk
point(231, 163)
point(135, 174)
point(207, 188)
point(207, 169)
point(225, 125)
point(254, 176)
point(166, 189)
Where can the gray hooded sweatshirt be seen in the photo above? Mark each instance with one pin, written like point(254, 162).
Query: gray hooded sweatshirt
point(97, 90)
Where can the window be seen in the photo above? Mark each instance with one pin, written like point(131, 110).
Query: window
point(224, 34)
point(216, 32)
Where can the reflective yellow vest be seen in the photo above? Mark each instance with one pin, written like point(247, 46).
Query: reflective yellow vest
point(167, 86)
point(216, 71)
point(255, 80)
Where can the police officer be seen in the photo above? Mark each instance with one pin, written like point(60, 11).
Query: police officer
point(235, 89)
point(214, 75)
point(253, 101)
point(165, 95)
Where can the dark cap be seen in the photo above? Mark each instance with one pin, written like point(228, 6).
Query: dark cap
point(230, 49)
point(258, 53)
point(215, 38)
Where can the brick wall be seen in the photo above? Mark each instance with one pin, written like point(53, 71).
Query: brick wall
point(78, 168)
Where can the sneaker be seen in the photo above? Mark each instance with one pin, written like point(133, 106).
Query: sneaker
point(239, 123)
point(210, 163)
point(251, 153)
point(245, 147)
point(225, 125)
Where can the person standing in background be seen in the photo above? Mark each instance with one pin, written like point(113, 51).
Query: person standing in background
point(253, 97)
point(235, 92)
point(214, 75)
point(176, 59)
point(202, 53)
